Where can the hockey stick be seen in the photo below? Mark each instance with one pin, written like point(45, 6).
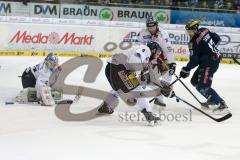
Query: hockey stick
point(227, 116)
point(189, 90)
point(236, 61)
point(150, 101)
point(65, 101)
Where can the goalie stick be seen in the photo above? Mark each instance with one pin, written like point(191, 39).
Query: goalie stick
point(225, 117)
point(65, 101)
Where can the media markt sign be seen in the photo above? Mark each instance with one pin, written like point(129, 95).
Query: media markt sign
point(106, 14)
point(161, 16)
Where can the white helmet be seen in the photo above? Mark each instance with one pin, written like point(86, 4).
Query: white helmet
point(144, 53)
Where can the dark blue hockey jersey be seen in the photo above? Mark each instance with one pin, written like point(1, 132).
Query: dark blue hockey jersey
point(203, 50)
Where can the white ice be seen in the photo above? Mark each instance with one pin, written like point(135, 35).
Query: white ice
point(32, 132)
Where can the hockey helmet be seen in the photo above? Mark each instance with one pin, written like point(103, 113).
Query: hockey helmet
point(151, 21)
point(154, 46)
point(192, 25)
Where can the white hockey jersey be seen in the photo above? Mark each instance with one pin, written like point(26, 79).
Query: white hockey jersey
point(162, 38)
point(42, 74)
point(134, 59)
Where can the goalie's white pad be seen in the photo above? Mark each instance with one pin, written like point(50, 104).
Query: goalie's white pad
point(22, 97)
point(45, 93)
point(27, 95)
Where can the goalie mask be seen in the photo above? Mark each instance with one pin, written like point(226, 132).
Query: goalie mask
point(51, 61)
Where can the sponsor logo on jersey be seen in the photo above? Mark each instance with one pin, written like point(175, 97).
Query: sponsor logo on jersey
point(147, 37)
point(130, 37)
point(52, 38)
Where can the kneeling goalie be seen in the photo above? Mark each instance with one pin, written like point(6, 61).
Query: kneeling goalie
point(37, 82)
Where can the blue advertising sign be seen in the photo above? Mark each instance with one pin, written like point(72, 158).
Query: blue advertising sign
point(207, 18)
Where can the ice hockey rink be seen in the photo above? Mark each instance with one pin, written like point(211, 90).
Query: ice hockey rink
point(33, 132)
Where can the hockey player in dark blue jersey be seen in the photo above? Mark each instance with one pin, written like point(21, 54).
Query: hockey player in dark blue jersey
point(205, 55)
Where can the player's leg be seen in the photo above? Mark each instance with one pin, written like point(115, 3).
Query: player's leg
point(202, 80)
point(166, 78)
point(111, 73)
point(27, 94)
point(44, 93)
point(145, 106)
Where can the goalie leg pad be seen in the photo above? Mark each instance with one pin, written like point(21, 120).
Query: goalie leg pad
point(22, 97)
point(56, 94)
point(45, 94)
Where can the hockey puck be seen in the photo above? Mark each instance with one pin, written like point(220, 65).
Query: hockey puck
point(177, 100)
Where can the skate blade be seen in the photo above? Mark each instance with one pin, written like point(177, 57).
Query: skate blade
point(221, 112)
point(153, 123)
point(205, 108)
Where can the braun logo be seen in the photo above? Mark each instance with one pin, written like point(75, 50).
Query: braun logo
point(5, 8)
point(45, 9)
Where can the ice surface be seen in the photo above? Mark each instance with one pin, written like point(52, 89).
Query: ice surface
point(32, 132)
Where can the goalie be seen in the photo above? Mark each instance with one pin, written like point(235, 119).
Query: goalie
point(37, 82)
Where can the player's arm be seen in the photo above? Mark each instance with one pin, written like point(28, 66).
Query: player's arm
point(215, 37)
point(142, 37)
point(166, 47)
point(193, 62)
point(168, 52)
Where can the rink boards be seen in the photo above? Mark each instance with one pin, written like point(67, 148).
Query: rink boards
point(28, 39)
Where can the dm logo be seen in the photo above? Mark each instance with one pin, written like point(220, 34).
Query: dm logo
point(106, 14)
point(161, 16)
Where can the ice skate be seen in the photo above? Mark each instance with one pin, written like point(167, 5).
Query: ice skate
point(221, 109)
point(105, 109)
point(160, 102)
point(152, 120)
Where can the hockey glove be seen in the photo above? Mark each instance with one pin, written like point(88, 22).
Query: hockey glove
point(166, 90)
point(184, 72)
point(172, 68)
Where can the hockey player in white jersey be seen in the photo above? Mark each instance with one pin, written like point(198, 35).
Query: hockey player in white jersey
point(121, 72)
point(37, 81)
point(166, 58)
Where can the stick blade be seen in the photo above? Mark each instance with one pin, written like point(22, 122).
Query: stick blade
point(227, 116)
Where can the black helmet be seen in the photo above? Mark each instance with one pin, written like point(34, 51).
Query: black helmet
point(192, 25)
point(151, 21)
point(154, 45)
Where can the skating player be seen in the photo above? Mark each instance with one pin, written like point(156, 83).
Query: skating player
point(205, 55)
point(121, 73)
point(155, 33)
